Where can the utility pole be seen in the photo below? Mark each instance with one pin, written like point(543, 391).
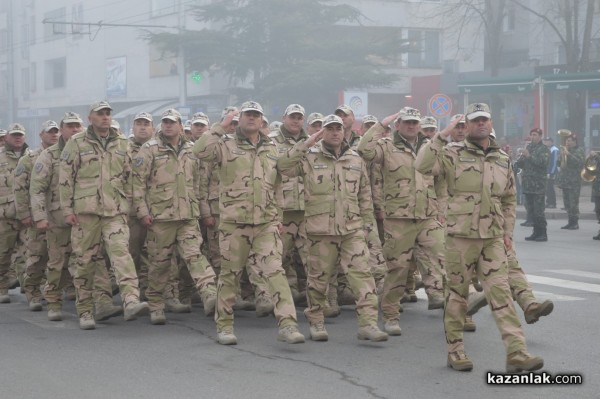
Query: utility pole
point(181, 58)
point(10, 64)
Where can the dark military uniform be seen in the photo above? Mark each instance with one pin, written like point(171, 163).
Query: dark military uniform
point(569, 180)
point(534, 179)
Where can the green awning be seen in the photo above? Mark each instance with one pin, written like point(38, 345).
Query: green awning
point(497, 85)
point(572, 81)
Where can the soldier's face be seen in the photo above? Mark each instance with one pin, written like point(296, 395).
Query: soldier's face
point(570, 142)
point(293, 123)
point(171, 128)
point(49, 138)
point(67, 130)
point(347, 119)
point(479, 128)
point(459, 132)
point(535, 137)
point(333, 135)
point(198, 130)
point(314, 127)
point(408, 129)
point(15, 140)
point(101, 119)
point(142, 130)
point(429, 131)
point(250, 121)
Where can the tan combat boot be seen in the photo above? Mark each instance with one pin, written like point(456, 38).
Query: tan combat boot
point(537, 310)
point(470, 325)
point(135, 309)
point(523, 361)
point(372, 333)
point(4, 298)
point(54, 312)
point(86, 321)
point(332, 309)
point(35, 305)
point(436, 302)
point(264, 306)
point(209, 301)
point(290, 334)
point(226, 337)
point(392, 327)
point(157, 317)
point(476, 301)
point(174, 306)
point(459, 361)
point(318, 332)
point(106, 310)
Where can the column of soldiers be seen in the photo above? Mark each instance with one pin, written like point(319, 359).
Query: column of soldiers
point(447, 209)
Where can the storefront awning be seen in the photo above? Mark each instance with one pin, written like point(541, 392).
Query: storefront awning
point(572, 81)
point(497, 85)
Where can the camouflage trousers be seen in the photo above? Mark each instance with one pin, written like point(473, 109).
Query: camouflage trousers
point(164, 240)
point(350, 252)
point(292, 239)
point(402, 236)
point(517, 280)
point(36, 258)
point(12, 236)
point(433, 277)
point(487, 259)
point(571, 200)
point(61, 269)
point(138, 250)
point(250, 283)
point(87, 241)
point(536, 204)
point(237, 242)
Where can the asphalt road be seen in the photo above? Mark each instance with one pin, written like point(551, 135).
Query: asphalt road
point(42, 359)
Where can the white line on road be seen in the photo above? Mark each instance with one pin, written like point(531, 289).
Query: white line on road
point(558, 282)
point(541, 295)
point(578, 273)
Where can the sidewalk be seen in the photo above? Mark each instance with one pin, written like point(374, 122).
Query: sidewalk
point(586, 206)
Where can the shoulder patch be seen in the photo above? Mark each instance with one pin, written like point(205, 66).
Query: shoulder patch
point(38, 167)
point(138, 161)
point(65, 156)
point(19, 170)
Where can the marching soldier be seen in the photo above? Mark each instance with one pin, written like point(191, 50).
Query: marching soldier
point(250, 219)
point(569, 179)
point(314, 123)
point(480, 221)
point(199, 125)
point(165, 177)
point(339, 215)
point(11, 229)
point(36, 250)
point(410, 213)
point(95, 195)
point(534, 165)
point(2, 137)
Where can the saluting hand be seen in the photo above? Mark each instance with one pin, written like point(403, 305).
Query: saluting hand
point(312, 140)
point(389, 119)
point(448, 129)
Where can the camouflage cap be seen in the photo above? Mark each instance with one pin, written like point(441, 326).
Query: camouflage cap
point(294, 109)
point(315, 117)
point(458, 116)
point(329, 119)
point(493, 133)
point(409, 114)
point(49, 125)
point(345, 109)
point(143, 115)
point(171, 114)
point(115, 125)
point(275, 125)
point(476, 110)
point(428, 122)
point(200, 117)
point(251, 106)
point(72, 117)
point(3, 132)
point(265, 120)
point(369, 119)
point(187, 125)
point(236, 118)
point(97, 106)
point(16, 128)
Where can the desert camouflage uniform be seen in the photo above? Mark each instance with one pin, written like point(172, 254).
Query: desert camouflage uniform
point(338, 210)
point(137, 232)
point(45, 205)
point(94, 186)
point(11, 229)
point(481, 211)
point(164, 183)
point(249, 220)
point(293, 209)
point(411, 208)
point(36, 250)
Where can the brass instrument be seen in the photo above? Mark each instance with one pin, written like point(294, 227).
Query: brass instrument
point(563, 134)
point(590, 169)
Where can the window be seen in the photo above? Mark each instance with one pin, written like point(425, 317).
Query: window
point(55, 73)
point(424, 51)
point(55, 31)
point(162, 7)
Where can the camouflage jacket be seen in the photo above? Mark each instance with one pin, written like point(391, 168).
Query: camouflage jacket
point(22, 179)
point(354, 140)
point(337, 190)
point(133, 147)
point(248, 178)
point(8, 164)
point(165, 180)
point(95, 179)
point(534, 169)
point(570, 174)
point(43, 189)
point(208, 193)
point(480, 184)
point(406, 193)
point(292, 187)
